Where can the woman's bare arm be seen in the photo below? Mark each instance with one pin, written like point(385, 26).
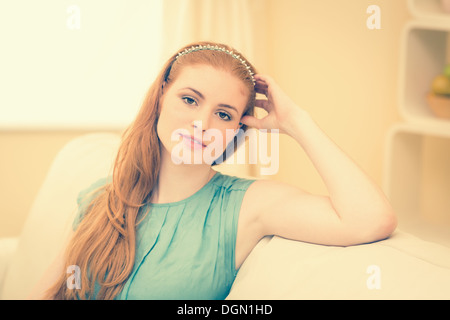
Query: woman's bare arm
point(356, 210)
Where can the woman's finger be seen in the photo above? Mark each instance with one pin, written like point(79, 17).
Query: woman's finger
point(251, 122)
point(261, 88)
point(263, 79)
point(265, 104)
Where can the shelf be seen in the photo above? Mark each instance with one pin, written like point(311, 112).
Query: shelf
point(407, 180)
point(426, 129)
point(427, 9)
point(423, 57)
point(403, 163)
point(417, 171)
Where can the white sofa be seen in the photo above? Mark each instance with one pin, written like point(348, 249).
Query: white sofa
point(401, 267)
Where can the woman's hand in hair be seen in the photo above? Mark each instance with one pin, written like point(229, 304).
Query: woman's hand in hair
point(282, 111)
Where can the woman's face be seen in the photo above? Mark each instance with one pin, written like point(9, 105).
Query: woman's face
point(203, 103)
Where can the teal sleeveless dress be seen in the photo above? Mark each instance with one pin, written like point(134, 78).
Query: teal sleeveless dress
point(185, 250)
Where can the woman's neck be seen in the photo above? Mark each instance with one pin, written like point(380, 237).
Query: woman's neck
point(178, 182)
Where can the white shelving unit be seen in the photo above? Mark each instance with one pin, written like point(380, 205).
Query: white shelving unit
point(427, 9)
point(424, 54)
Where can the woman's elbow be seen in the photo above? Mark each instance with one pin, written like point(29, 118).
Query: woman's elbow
point(385, 225)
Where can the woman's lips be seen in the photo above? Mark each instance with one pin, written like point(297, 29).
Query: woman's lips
point(193, 142)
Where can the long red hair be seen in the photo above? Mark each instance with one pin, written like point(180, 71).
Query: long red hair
point(103, 245)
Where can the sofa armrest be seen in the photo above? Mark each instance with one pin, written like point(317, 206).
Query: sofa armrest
point(8, 247)
point(399, 267)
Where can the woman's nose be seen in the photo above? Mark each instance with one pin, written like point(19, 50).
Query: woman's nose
point(201, 122)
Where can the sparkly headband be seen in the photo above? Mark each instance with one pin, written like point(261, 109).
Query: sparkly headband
point(216, 48)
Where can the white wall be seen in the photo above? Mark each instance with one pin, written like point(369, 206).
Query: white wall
point(76, 64)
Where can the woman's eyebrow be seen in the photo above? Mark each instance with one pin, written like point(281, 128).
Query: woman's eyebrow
point(195, 91)
point(229, 107)
point(202, 97)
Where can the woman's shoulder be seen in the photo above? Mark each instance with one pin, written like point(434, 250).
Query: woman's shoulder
point(92, 188)
point(86, 196)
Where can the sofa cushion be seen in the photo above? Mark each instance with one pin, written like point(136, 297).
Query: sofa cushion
point(79, 163)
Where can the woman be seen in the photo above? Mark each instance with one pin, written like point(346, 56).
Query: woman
point(166, 227)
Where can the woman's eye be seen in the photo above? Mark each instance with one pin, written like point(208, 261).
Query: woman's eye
point(224, 116)
point(190, 101)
